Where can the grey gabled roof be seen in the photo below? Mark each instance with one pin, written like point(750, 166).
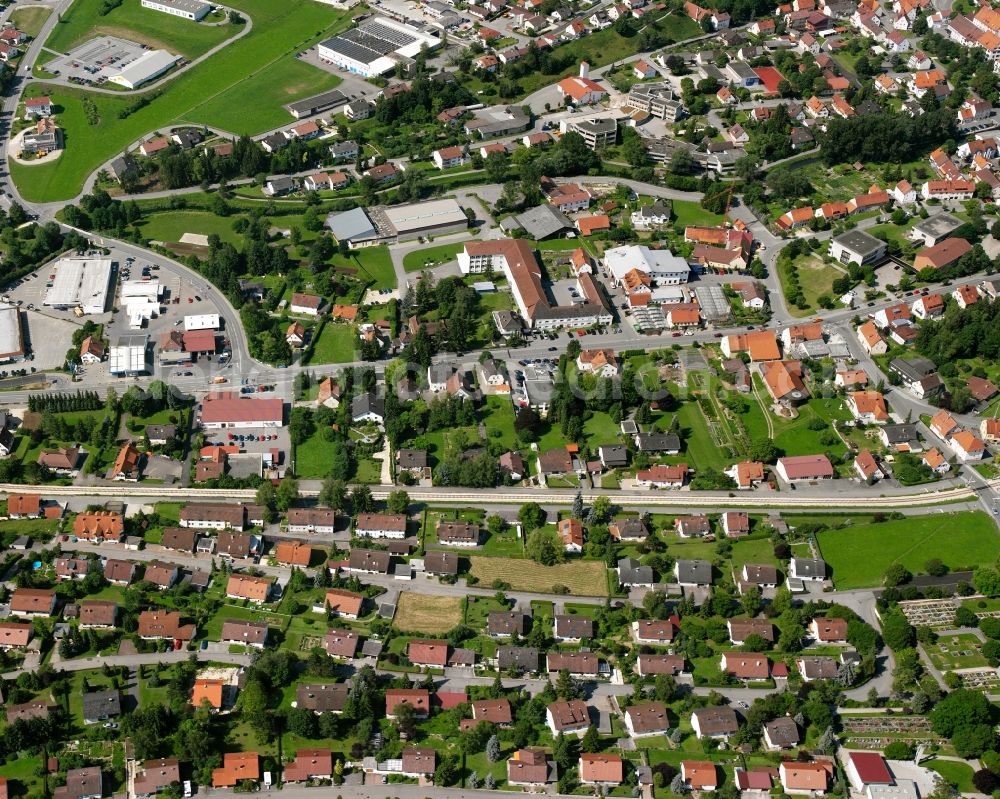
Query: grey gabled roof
point(543, 221)
point(351, 225)
point(809, 567)
point(900, 433)
point(698, 572)
point(101, 704)
point(367, 403)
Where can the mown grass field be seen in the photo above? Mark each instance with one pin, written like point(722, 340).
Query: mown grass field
point(169, 227)
point(581, 577)
point(859, 555)
point(337, 344)
point(30, 19)
point(429, 257)
point(82, 21)
point(240, 89)
point(424, 613)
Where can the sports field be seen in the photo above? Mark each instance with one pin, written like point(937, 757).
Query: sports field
point(424, 613)
point(581, 577)
point(859, 555)
point(241, 90)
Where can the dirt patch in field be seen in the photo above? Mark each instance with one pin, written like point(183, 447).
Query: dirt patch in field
point(581, 577)
point(425, 613)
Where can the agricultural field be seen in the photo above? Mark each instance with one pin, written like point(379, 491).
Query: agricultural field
point(859, 555)
point(424, 613)
point(581, 577)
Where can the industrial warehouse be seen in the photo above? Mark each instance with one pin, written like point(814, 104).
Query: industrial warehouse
point(375, 47)
point(11, 334)
point(365, 227)
point(80, 282)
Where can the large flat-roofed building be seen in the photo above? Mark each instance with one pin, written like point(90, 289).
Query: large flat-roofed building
point(856, 246)
point(149, 65)
point(129, 356)
point(364, 227)
point(11, 334)
point(82, 282)
point(203, 321)
point(657, 99)
point(188, 9)
point(316, 104)
point(437, 218)
point(354, 226)
point(597, 132)
point(375, 47)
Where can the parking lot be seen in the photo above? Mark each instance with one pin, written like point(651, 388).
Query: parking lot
point(48, 332)
point(179, 299)
point(95, 61)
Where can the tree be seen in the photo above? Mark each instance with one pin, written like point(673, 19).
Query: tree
point(897, 631)
point(406, 719)
point(286, 494)
point(591, 740)
point(762, 450)
point(577, 510)
point(896, 574)
point(827, 743)
point(398, 502)
point(361, 500)
point(678, 787)
point(565, 687)
point(493, 749)
point(532, 516)
point(960, 709)
point(545, 547)
point(986, 581)
point(564, 753)
point(267, 498)
point(985, 781)
point(333, 493)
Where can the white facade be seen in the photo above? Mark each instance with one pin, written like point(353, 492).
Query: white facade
point(662, 266)
point(206, 321)
point(193, 10)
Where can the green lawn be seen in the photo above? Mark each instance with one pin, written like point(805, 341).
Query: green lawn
point(83, 21)
point(498, 416)
point(337, 344)
point(170, 226)
point(312, 459)
point(859, 555)
point(428, 257)
point(815, 278)
point(377, 263)
point(30, 19)
point(689, 213)
point(959, 775)
point(220, 92)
